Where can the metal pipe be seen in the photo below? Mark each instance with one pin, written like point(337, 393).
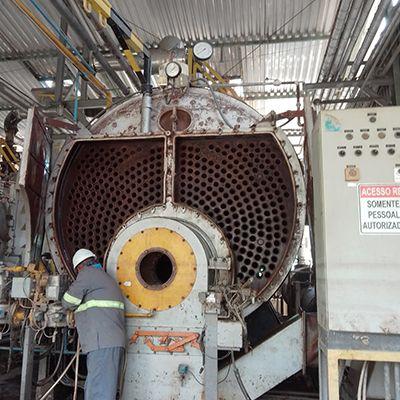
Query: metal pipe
point(59, 83)
point(397, 381)
point(394, 56)
point(376, 54)
point(246, 84)
point(354, 37)
point(78, 12)
point(97, 85)
point(385, 41)
point(308, 86)
point(146, 112)
point(146, 99)
point(331, 51)
point(349, 100)
point(138, 315)
point(147, 87)
point(115, 50)
point(347, 34)
point(80, 31)
point(386, 381)
point(380, 13)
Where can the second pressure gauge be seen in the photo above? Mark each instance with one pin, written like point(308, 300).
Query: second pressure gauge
point(203, 51)
point(173, 69)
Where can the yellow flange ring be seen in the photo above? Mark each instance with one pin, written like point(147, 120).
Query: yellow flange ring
point(182, 262)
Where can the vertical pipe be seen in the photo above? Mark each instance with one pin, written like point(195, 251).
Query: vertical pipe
point(396, 80)
point(147, 99)
point(397, 381)
point(59, 83)
point(211, 356)
point(76, 97)
point(85, 36)
point(146, 112)
point(27, 365)
point(386, 381)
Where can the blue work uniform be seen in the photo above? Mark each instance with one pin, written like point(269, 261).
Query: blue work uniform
point(99, 316)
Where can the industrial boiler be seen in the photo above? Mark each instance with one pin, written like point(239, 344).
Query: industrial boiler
point(198, 216)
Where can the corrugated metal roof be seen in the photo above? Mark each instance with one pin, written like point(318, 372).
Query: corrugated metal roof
point(253, 39)
point(227, 20)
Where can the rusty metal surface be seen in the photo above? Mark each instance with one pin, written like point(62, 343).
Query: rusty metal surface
point(244, 184)
point(258, 206)
point(102, 184)
point(124, 119)
point(175, 119)
point(34, 174)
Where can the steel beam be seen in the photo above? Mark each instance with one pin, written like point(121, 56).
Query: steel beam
point(229, 42)
point(380, 13)
point(27, 55)
point(27, 365)
point(268, 95)
point(351, 83)
point(92, 103)
point(396, 79)
point(351, 100)
point(211, 355)
point(59, 82)
point(85, 36)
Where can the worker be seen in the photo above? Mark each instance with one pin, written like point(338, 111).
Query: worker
point(99, 316)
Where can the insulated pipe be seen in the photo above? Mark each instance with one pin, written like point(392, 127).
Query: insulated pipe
point(380, 46)
point(146, 112)
point(380, 13)
point(146, 99)
point(80, 30)
point(348, 36)
point(60, 70)
point(103, 33)
point(388, 37)
point(330, 54)
point(354, 37)
point(115, 50)
point(397, 381)
point(386, 381)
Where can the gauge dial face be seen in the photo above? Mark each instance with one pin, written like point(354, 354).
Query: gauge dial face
point(203, 51)
point(173, 69)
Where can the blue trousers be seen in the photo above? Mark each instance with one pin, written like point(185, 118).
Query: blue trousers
point(103, 367)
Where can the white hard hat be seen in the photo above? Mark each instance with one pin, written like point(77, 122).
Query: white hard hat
point(82, 255)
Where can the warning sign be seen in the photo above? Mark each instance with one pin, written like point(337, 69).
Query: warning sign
point(379, 209)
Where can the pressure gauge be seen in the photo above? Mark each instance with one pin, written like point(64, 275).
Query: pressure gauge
point(203, 51)
point(173, 69)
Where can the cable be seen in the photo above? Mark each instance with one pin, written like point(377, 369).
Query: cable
point(194, 376)
point(215, 101)
point(272, 34)
point(4, 332)
point(239, 378)
point(60, 377)
point(76, 371)
point(226, 376)
point(43, 382)
point(218, 358)
point(202, 384)
point(142, 29)
point(361, 381)
point(364, 389)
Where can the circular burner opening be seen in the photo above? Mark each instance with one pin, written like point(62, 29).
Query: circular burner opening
point(156, 269)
